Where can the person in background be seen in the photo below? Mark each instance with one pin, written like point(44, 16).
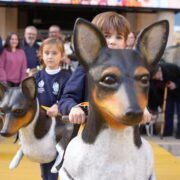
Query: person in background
point(55, 32)
point(30, 46)
point(51, 81)
point(130, 40)
point(166, 74)
point(70, 58)
point(12, 61)
point(115, 29)
point(1, 46)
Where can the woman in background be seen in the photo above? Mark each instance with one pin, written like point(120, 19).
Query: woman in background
point(12, 61)
point(131, 40)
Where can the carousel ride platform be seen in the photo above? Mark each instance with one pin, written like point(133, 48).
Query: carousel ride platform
point(167, 166)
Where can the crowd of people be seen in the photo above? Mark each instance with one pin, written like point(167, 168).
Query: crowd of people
point(50, 65)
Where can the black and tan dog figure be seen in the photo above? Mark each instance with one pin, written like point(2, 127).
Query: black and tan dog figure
point(39, 134)
point(110, 148)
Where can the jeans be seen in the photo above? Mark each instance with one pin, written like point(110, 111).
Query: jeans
point(46, 171)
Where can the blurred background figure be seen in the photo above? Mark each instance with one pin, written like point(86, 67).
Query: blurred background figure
point(1, 46)
point(30, 46)
point(55, 32)
point(70, 58)
point(131, 40)
point(172, 53)
point(12, 61)
point(166, 75)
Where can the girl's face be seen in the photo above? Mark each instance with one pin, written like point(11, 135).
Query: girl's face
point(115, 40)
point(51, 56)
point(14, 41)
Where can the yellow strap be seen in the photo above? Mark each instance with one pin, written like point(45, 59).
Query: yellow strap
point(81, 128)
point(44, 107)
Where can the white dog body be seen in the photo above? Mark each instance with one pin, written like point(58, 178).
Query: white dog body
point(112, 156)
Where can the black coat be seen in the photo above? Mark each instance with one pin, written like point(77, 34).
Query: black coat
point(170, 72)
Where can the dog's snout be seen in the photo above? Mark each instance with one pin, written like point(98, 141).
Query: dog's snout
point(4, 133)
point(131, 113)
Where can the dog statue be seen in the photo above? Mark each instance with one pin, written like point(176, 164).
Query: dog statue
point(39, 134)
point(110, 147)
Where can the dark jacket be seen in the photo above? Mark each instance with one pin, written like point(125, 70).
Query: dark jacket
point(170, 72)
point(50, 87)
point(75, 91)
point(31, 54)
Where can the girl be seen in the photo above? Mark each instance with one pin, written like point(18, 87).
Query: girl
point(12, 62)
point(51, 81)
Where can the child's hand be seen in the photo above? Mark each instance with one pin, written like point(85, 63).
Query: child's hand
point(77, 115)
point(146, 116)
point(53, 111)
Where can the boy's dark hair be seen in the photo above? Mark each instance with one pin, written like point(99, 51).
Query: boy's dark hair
point(110, 20)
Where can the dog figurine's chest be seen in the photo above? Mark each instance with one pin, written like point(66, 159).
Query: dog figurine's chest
point(116, 161)
point(39, 134)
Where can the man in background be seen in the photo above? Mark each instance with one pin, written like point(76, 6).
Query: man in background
point(30, 46)
point(166, 75)
point(55, 32)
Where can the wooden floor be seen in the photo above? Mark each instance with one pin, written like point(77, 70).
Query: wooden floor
point(167, 167)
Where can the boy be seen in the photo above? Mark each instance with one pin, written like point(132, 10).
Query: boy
point(115, 29)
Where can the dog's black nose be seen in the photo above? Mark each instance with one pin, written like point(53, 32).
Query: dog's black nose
point(133, 114)
point(4, 133)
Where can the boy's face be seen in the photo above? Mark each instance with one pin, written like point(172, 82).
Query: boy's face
point(115, 40)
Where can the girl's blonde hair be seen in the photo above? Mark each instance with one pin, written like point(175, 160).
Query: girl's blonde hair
point(110, 21)
point(51, 41)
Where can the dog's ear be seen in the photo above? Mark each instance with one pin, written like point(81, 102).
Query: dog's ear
point(29, 87)
point(88, 41)
point(152, 41)
point(3, 89)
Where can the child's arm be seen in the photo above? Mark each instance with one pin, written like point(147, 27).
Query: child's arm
point(74, 91)
point(52, 111)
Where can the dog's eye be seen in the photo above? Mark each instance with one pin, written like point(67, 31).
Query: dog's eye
point(110, 80)
point(144, 79)
point(18, 112)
